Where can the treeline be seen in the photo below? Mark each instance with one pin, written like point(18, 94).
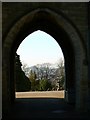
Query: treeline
point(40, 80)
point(39, 85)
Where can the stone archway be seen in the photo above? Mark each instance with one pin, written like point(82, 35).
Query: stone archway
point(58, 26)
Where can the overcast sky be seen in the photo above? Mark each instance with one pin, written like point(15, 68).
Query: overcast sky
point(39, 47)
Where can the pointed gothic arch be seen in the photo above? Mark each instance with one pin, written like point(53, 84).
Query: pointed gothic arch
point(65, 33)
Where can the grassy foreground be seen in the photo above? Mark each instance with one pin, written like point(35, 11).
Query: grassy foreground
point(39, 94)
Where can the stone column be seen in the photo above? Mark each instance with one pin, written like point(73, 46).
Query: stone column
point(89, 56)
point(70, 81)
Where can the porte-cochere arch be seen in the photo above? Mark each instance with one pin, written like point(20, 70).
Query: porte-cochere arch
point(64, 32)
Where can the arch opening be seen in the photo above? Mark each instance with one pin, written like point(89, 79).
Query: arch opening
point(42, 61)
point(66, 45)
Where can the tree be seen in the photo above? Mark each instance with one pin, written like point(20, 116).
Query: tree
point(61, 74)
point(37, 85)
point(45, 85)
point(26, 69)
point(22, 82)
point(43, 71)
point(32, 78)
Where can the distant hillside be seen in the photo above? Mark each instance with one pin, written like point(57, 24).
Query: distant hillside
point(40, 67)
point(43, 66)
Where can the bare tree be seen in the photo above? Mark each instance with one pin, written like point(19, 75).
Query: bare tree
point(25, 69)
point(61, 73)
point(61, 67)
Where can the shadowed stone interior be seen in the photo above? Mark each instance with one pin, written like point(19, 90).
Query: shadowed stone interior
point(68, 24)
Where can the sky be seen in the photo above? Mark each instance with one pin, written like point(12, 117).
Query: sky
point(39, 47)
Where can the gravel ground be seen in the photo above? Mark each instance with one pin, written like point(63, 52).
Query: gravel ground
point(43, 94)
